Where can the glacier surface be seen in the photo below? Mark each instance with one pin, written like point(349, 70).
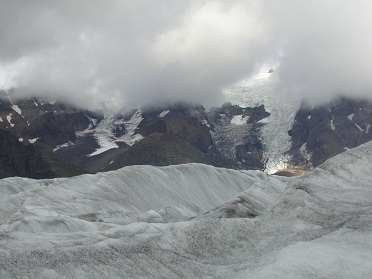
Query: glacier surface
point(191, 221)
point(274, 133)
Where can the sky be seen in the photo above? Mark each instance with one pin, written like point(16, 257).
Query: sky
point(125, 53)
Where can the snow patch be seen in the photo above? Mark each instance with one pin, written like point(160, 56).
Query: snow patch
point(9, 118)
point(164, 113)
point(332, 124)
point(359, 127)
point(105, 141)
point(105, 137)
point(205, 122)
point(368, 127)
point(67, 144)
point(20, 139)
point(239, 120)
point(33, 140)
point(131, 139)
point(17, 109)
point(131, 136)
point(93, 121)
point(264, 120)
point(305, 154)
point(309, 117)
point(350, 116)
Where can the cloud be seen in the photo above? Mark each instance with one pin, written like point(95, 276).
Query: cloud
point(142, 52)
point(326, 49)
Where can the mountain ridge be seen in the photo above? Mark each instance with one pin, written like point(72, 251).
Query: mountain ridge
point(232, 136)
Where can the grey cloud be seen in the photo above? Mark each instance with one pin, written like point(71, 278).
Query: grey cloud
point(141, 52)
point(326, 47)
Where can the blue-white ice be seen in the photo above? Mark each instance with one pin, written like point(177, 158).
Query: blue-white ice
point(148, 222)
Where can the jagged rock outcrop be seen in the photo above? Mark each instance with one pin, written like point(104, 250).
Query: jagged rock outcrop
point(321, 132)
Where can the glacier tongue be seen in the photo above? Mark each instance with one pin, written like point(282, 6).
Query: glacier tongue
point(274, 134)
point(121, 224)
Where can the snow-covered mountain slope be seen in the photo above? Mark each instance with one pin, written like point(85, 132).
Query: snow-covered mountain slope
point(120, 224)
point(113, 130)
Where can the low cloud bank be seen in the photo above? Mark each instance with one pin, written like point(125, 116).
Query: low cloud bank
point(129, 53)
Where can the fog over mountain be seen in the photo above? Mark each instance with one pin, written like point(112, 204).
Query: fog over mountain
point(141, 52)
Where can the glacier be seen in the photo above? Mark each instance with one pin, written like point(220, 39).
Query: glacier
point(191, 221)
point(274, 133)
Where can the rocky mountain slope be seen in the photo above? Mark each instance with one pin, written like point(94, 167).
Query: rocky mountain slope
point(173, 134)
point(29, 130)
point(254, 131)
point(321, 132)
point(17, 159)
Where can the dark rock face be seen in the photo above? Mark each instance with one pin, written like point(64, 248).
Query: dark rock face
point(252, 115)
point(180, 121)
point(50, 124)
point(236, 145)
point(325, 131)
point(31, 129)
point(41, 139)
point(250, 154)
point(159, 150)
point(17, 159)
point(197, 136)
point(172, 134)
point(176, 137)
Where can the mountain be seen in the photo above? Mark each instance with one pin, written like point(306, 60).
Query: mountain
point(254, 131)
point(17, 159)
point(191, 221)
point(172, 134)
point(30, 129)
point(321, 132)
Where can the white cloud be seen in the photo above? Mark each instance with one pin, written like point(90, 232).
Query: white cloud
point(139, 52)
